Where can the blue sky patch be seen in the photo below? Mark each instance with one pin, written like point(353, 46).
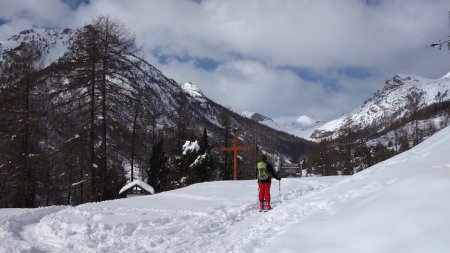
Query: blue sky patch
point(208, 64)
point(305, 74)
point(3, 21)
point(310, 75)
point(165, 58)
point(331, 84)
point(359, 73)
point(372, 2)
point(74, 4)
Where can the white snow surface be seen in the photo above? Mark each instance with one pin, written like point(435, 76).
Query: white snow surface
point(399, 205)
point(305, 120)
point(140, 183)
point(247, 114)
point(446, 76)
point(192, 89)
point(190, 146)
point(54, 42)
point(302, 126)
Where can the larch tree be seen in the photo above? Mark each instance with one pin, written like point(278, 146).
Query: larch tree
point(102, 84)
point(20, 128)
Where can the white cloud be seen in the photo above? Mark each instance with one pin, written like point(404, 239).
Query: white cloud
point(251, 85)
point(260, 43)
point(42, 12)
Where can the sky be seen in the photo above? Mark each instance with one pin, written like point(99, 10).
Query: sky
point(283, 59)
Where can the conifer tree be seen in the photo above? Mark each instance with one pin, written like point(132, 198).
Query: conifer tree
point(415, 101)
point(158, 172)
point(183, 164)
point(226, 171)
point(203, 168)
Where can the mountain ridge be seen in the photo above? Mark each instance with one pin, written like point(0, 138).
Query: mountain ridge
point(174, 100)
point(390, 103)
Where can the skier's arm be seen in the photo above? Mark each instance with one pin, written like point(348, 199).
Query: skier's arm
point(272, 171)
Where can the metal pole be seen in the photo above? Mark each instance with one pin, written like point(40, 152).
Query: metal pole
point(235, 153)
point(301, 168)
point(279, 190)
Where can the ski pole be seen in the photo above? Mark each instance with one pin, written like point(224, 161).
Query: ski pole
point(257, 197)
point(279, 190)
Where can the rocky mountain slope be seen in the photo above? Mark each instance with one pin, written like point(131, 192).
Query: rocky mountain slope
point(401, 97)
point(171, 101)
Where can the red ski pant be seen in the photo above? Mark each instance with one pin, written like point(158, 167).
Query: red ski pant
point(264, 193)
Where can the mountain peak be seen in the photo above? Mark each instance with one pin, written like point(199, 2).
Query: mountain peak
point(305, 120)
point(446, 76)
point(191, 89)
point(255, 116)
point(259, 117)
point(396, 81)
point(390, 103)
point(52, 42)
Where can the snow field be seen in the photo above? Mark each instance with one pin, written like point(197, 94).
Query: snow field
point(208, 217)
point(399, 205)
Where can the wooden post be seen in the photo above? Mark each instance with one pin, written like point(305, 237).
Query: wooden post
point(235, 149)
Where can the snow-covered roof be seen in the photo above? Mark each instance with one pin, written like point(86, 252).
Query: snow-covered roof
point(139, 183)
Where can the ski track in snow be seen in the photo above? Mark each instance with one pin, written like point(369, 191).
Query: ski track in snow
point(399, 205)
point(15, 223)
point(235, 228)
point(86, 229)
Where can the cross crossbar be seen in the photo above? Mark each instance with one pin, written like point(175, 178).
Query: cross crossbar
point(235, 149)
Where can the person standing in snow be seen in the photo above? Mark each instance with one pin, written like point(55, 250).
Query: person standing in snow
point(264, 173)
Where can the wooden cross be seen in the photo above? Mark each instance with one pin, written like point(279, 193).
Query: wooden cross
point(235, 149)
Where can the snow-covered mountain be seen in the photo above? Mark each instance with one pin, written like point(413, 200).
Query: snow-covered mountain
point(391, 104)
point(170, 97)
point(52, 43)
point(399, 205)
point(302, 126)
point(193, 91)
